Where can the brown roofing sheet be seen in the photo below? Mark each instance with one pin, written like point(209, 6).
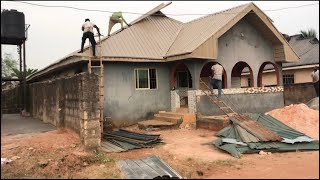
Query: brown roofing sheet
point(255, 128)
point(148, 38)
point(196, 32)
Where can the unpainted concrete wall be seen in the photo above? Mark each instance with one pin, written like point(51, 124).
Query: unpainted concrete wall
point(299, 93)
point(252, 48)
point(71, 102)
point(11, 100)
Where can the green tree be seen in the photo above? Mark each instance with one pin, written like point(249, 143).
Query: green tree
point(310, 33)
point(16, 72)
point(8, 64)
point(10, 67)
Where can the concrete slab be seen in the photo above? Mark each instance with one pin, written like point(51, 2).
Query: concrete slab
point(12, 124)
point(215, 123)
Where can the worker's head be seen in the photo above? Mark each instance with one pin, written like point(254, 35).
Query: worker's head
point(315, 68)
point(86, 20)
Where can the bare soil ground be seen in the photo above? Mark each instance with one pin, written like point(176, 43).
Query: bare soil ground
point(58, 154)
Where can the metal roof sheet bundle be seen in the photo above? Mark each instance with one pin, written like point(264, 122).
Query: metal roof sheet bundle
point(123, 140)
point(252, 133)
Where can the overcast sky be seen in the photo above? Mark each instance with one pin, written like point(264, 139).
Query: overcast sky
point(56, 32)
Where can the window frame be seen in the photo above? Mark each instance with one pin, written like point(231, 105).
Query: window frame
point(135, 78)
point(285, 76)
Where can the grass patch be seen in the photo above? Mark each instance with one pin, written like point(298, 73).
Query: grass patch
point(102, 158)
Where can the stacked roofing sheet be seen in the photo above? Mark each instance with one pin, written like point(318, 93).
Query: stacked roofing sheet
point(123, 140)
point(151, 167)
point(237, 139)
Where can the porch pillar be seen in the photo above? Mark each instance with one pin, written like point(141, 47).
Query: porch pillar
point(175, 101)
point(195, 70)
point(280, 73)
point(192, 101)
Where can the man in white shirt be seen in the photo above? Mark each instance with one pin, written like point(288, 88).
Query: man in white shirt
point(217, 71)
point(315, 79)
point(87, 29)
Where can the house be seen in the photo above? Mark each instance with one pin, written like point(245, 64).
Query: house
point(158, 63)
point(296, 77)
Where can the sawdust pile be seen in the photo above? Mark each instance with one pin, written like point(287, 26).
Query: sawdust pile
point(299, 117)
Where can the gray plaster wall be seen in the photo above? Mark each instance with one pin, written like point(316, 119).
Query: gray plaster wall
point(242, 103)
point(252, 48)
point(124, 103)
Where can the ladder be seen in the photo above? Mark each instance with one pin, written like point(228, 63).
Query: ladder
point(221, 104)
point(101, 78)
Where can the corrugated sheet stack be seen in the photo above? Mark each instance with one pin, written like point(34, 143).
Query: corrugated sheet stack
point(123, 140)
point(252, 133)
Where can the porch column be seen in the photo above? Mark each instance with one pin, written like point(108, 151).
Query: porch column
point(280, 73)
point(175, 101)
point(192, 101)
point(195, 70)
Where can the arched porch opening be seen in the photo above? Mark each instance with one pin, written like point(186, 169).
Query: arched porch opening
point(268, 75)
point(206, 72)
point(242, 75)
point(181, 81)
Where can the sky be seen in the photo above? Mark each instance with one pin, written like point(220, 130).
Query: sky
point(56, 32)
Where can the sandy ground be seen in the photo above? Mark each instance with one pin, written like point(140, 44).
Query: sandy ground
point(59, 154)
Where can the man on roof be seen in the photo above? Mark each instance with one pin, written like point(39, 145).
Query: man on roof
point(87, 29)
point(116, 18)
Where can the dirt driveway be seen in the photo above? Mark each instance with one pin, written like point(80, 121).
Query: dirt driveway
point(58, 154)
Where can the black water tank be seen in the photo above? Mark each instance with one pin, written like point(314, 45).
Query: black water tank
point(12, 27)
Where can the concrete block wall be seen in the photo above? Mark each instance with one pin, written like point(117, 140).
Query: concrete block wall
point(11, 100)
point(299, 93)
point(71, 102)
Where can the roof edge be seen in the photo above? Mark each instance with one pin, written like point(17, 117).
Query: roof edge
point(151, 12)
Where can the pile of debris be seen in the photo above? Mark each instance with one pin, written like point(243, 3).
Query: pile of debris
point(123, 140)
point(252, 133)
point(299, 117)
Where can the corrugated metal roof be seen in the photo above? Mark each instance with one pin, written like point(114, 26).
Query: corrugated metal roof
point(194, 33)
point(254, 128)
point(147, 168)
point(149, 38)
point(293, 140)
point(154, 38)
point(307, 50)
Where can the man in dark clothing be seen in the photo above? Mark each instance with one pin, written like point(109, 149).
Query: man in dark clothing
point(87, 29)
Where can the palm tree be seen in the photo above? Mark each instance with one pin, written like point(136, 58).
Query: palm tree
point(310, 33)
point(16, 72)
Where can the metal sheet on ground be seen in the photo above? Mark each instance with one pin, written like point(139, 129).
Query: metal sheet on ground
point(146, 168)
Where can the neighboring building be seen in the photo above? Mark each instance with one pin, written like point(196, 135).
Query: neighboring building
point(298, 72)
point(143, 63)
point(297, 81)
